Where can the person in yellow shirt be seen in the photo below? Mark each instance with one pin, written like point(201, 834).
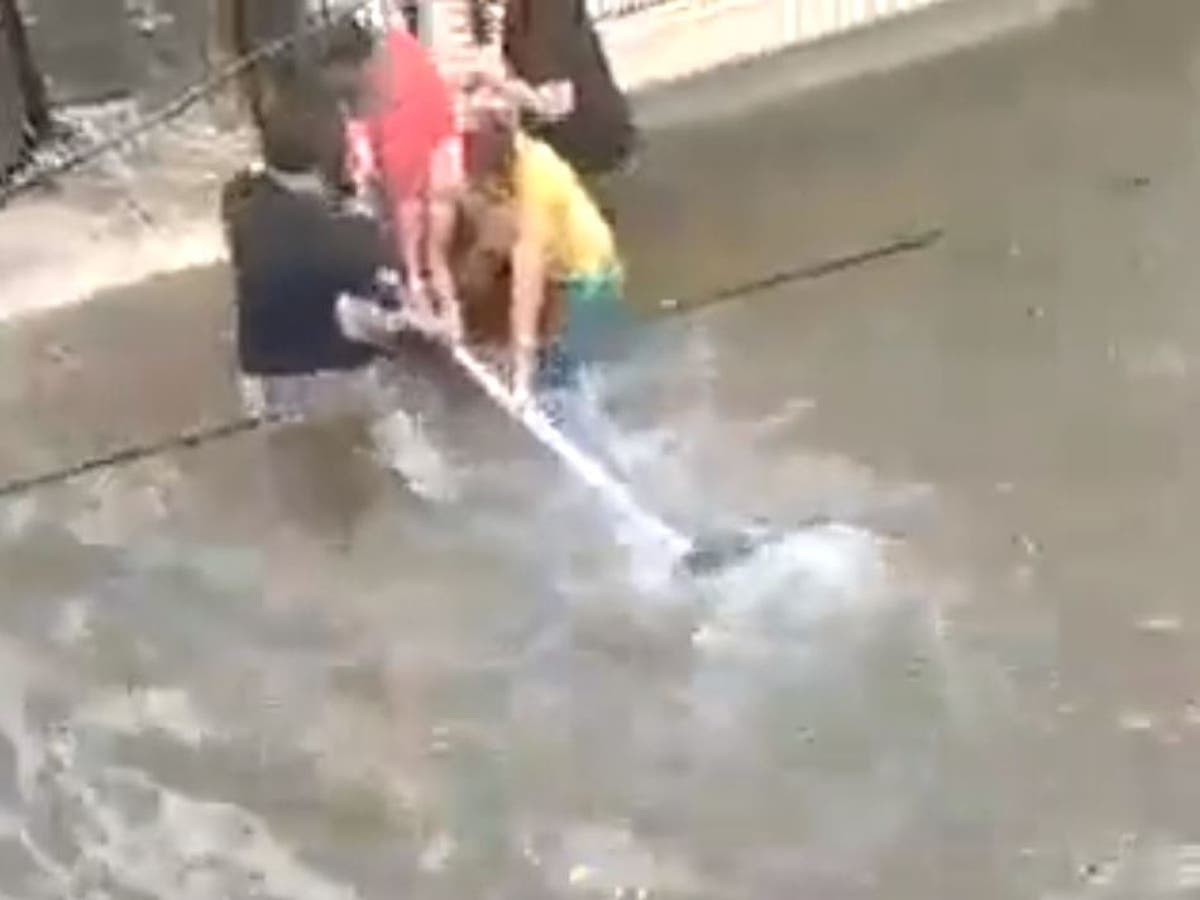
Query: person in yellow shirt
point(558, 237)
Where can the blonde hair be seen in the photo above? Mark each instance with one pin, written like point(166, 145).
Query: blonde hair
point(490, 154)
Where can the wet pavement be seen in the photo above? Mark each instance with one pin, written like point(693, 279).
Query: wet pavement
point(219, 685)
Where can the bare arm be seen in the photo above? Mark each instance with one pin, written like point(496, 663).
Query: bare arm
point(528, 298)
point(550, 100)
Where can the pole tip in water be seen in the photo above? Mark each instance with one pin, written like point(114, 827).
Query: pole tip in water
point(710, 554)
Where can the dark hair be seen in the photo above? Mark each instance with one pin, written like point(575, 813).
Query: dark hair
point(490, 152)
point(300, 132)
point(347, 43)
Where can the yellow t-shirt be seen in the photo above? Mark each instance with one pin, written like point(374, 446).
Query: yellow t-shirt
point(554, 205)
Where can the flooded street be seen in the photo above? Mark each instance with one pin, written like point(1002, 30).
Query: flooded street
point(981, 682)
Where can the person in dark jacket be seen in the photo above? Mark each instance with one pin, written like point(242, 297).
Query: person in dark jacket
point(315, 298)
point(553, 46)
point(298, 259)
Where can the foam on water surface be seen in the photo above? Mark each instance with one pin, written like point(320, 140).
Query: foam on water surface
point(175, 845)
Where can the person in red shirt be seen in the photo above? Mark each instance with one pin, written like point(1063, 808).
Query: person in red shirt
point(404, 134)
point(407, 134)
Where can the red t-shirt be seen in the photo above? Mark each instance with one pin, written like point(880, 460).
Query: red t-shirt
point(411, 113)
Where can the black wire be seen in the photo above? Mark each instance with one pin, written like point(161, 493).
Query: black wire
point(126, 455)
point(904, 244)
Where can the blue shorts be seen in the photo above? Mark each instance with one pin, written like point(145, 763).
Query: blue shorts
point(597, 328)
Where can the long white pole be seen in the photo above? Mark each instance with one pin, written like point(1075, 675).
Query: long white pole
point(615, 493)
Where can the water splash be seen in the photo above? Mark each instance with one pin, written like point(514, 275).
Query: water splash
point(402, 444)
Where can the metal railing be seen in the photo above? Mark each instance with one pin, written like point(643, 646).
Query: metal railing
point(613, 9)
point(658, 40)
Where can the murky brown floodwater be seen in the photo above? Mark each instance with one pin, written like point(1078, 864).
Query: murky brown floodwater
point(208, 692)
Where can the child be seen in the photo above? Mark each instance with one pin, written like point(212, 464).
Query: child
point(309, 329)
point(559, 236)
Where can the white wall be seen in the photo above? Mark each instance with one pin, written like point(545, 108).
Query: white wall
point(658, 40)
point(672, 38)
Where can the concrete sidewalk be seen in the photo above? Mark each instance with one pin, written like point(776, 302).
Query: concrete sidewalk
point(132, 213)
